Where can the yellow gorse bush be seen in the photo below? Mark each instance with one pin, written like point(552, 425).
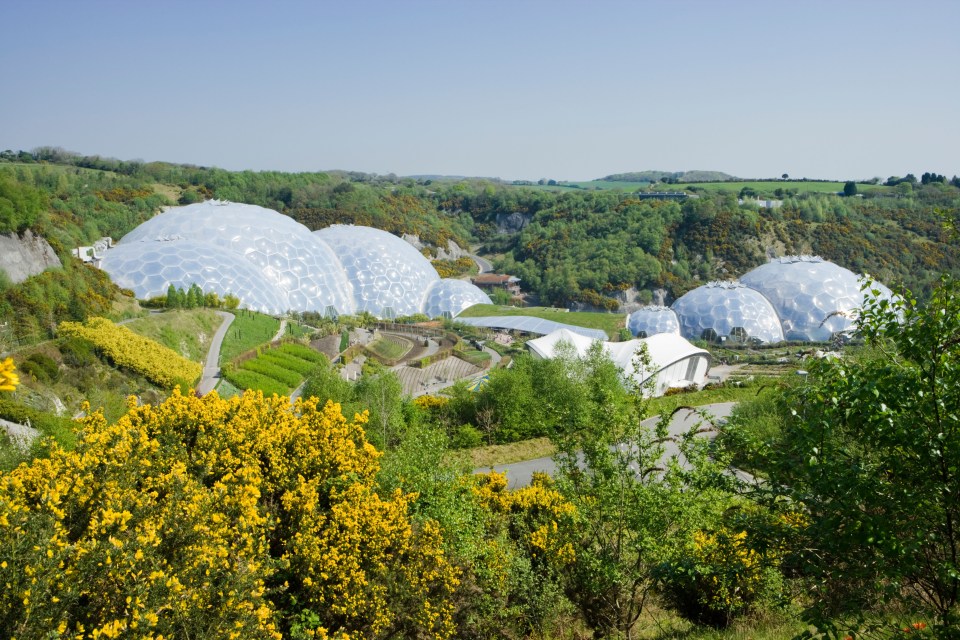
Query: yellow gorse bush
point(8, 376)
point(539, 514)
point(125, 348)
point(204, 517)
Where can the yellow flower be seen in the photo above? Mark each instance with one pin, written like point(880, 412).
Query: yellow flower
point(8, 379)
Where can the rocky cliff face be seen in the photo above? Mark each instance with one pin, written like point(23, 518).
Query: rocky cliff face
point(25, 256)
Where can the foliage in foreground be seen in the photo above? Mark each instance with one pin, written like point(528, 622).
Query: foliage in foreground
point(871, 448)
point(266, 519)
point(125, 348)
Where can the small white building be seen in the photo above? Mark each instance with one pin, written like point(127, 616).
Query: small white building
point(674, 362)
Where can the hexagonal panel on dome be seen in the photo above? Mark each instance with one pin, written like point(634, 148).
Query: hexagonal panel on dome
point(815, 298)
point(448, 298)
point(651, 320)
point(185, 262)
point(725, 309)
point(290, 257)
point(386, 272)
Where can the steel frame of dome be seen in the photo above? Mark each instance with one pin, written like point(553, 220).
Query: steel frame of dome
point(651, 320)
point(275, 264)
point(727, 310)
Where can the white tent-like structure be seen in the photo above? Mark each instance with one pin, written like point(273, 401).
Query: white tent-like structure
point(674, 362)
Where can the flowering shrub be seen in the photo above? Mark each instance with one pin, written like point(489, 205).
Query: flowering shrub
point(8, 377)
point(126, 349)
point(204, 517)
point(719, 575)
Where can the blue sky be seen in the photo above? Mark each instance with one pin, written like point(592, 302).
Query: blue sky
point(522, 89)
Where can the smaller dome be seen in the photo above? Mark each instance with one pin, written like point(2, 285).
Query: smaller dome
point(448, 298)
point(651, 320)
point(727, 310)
point(390, 278)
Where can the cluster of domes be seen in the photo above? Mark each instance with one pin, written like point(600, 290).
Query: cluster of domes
point(803, 298)
point(275, 264)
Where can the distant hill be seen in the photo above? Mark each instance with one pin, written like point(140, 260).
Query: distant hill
point(678, 176)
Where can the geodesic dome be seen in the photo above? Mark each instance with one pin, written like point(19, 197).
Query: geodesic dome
point(390, 278)
point(814, 298)
point(275, 264)
point(651, 320)
point(449, 297)
point(306, 272)
point(724, 309)
point(150, 270)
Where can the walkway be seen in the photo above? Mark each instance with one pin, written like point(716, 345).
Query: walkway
point(520, 474)
point(211, 367)
point(281, 330)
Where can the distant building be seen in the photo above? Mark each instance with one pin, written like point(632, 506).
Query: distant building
point(93, 254)
point(491, 281)
point(663, 195)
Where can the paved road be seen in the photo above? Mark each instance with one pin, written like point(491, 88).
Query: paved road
point(484, 265)
point(519, 474)
point(211, 366)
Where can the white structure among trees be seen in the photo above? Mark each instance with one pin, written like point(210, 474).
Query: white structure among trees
point(673, 361)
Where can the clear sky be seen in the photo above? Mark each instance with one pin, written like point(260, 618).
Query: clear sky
point(520, 89)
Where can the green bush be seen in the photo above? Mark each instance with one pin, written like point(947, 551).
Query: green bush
point(77, 352)
point(467, 437)
point(47, 364)
point(60, 429)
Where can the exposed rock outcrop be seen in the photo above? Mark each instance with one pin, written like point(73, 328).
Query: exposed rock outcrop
point(512, 222)
point(25, 256)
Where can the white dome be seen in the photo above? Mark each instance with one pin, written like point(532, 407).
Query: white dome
point(275, 264)
point(723, 309)
point(651, 320)
point(448, 298)
point(390, 278)
point(814, 298)
point(306, 272)
point(150, 270)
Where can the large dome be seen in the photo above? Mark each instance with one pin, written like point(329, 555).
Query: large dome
point(649, 321)
point(390, 278)
point(150, 270)
point(303, 270)
point(275, 264)
point(724, 309)
point(814, 298)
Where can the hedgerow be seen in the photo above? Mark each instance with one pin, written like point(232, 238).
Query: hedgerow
point(246, 379)
point(302, 352)
point(125, 348)
point(288, 361)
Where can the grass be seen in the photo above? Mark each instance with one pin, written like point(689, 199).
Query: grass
point(475, 357)
point(249, 329)
point(188, 332)
point(492, 455)
point(389, 348)
point(609, 322)
point(767, 188)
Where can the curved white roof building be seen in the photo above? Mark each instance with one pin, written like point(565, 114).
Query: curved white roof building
point(275, 264)
point(674, 362)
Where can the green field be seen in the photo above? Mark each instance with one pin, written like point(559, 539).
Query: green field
point(390, 348)
point(761, 187)
point(609, 322)
point(187, 332)
point(249, 330)
point(768, 188)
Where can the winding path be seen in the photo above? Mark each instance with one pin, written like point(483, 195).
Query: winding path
point(211, 366)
